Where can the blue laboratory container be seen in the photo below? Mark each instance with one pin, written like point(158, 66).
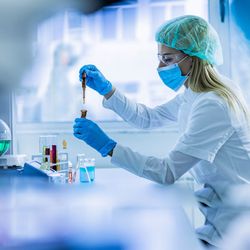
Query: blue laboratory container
point(87, 177)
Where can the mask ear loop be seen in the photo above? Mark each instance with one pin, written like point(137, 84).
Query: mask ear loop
point(183, 59)
point(187, 75)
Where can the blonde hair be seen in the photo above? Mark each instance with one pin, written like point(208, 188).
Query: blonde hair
point(204, 78)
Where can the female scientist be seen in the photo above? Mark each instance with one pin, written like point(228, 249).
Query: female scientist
point(214, 142)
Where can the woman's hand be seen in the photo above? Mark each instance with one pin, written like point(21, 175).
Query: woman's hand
point(95, 79)
point(93, 135)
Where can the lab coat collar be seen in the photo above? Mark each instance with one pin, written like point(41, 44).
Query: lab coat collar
point(189, 95)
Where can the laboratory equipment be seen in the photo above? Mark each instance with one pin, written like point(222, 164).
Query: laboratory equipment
point(47, 159)
point(83, 113)
point(5, 137)
point(70, 173)
point(46, 141)
point(54, 163)
point(49, 175)
point(54, 157)
point(83, 87)
point(50, 155)
point(60, 165)
point(87, 169)
point(12, 161)
point(64, 144)
point(31, 169)
point(83, 175)
point(63, 155)
point(96, 79)
point(8, 161)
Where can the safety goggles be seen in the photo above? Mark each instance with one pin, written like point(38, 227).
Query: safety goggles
point(169, 59)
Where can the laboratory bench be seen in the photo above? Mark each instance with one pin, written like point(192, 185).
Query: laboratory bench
point(118, 210)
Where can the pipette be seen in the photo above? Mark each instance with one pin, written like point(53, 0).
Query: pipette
point(83, 87)
point(83, 111)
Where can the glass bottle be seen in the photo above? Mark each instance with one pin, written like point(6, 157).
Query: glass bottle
point(89, 164)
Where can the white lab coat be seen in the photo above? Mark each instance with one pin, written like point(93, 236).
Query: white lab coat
point(214, 145)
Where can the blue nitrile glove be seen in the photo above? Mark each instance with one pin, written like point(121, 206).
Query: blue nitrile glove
point(95, 79)
point(90, 132)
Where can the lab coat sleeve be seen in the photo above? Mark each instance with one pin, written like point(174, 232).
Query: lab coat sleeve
point(164, 171)
point(208, 128)
point(140, 115)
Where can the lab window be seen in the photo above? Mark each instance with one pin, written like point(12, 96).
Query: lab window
point(74, 20)
point(157, 17)
point(177, 10)
point(109, 23)
point(57, 27)
point(111, 39)
point(240, 59)
point(129, 16)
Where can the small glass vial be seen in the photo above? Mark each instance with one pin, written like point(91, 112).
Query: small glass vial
point(87, 170)
point(70, 173)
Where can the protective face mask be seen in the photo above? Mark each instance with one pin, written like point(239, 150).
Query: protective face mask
point(171, 76)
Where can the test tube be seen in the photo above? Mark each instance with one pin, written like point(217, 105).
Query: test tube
point(54, 156)
point(83, 113)
point(47, 157)
point(70, 173)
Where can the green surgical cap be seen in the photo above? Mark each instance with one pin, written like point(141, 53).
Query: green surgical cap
point(192, 35)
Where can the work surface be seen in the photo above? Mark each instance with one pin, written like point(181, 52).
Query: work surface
point(117, 211)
